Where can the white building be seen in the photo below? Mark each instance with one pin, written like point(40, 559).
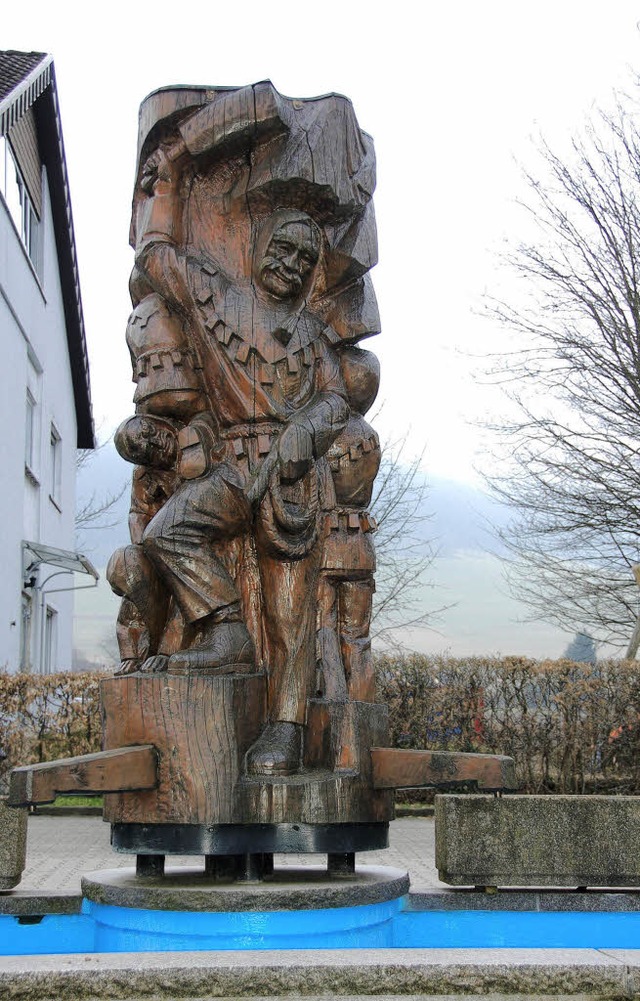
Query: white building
point(45, 402)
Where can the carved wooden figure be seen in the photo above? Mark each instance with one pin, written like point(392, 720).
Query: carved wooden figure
point(246, 684)
point(251, 549)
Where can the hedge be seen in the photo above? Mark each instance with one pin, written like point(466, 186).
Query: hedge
point(572, 728)
point(47, 716)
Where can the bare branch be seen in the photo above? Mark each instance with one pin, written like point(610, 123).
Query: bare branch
point(405, 549)
point(568, 462)
point(94, 512)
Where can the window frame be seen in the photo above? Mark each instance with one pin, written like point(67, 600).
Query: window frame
point(21, 209)
point(50, 640)
point(31, 435)
point(55, 463)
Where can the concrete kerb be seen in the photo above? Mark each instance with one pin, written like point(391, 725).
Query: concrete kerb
point(336, 973)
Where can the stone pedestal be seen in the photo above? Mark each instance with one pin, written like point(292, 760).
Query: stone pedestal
point(538, 840)
point(288, 889)
point(13, 845)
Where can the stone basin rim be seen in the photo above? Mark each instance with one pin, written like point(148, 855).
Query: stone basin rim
point(185, 888)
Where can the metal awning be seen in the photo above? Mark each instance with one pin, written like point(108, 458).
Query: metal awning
point(36, 553)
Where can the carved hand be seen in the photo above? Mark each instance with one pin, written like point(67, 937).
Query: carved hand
point(161, 166)
point(295, 453)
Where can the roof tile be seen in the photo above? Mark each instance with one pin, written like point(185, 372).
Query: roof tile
point(15, 67)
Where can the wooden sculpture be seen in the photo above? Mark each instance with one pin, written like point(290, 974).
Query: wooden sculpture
point(247, 586)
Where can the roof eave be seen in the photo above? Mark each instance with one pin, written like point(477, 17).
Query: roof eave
point(52, 149)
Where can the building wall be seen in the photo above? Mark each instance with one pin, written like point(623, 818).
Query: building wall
point(35, 359)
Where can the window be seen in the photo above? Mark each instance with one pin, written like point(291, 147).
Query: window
point(15, 194)
point(50, 640)
point(55, 470)
point(33, 421)
point(30, 432)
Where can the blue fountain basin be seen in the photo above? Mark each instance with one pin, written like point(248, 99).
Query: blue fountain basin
point(392, 924)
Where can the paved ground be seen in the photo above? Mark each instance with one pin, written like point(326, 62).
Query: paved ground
point(60, 849)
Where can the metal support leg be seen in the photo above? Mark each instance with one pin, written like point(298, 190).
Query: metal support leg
point(341, 863)
point(220, 867)
point(251, 868)
point(149, 865)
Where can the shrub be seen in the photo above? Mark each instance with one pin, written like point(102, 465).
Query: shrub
point(572, 728)
point(48, 716)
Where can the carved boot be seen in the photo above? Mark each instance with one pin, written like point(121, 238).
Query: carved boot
point(277, 751)
point(128, 665)
point(223, 648)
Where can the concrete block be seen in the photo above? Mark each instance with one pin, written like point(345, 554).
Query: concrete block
point(13, 844)
point(538, 840)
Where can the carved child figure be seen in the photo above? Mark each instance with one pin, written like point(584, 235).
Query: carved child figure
point(185, 497)
point(152, 444)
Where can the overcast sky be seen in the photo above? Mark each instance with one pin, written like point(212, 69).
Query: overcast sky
point(452, 94)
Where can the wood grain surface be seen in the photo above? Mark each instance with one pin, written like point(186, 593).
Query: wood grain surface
point(201, 727)
point(124, 769)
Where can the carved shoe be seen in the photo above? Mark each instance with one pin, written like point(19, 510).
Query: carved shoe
point(276, 752)
point(227, 648)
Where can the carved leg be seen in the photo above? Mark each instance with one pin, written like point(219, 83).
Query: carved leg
point(355, 618)
point(143, 612)
point(179, 542)
point(328, 643)
point(132, 634)
point(289, 601)
point(289, 594)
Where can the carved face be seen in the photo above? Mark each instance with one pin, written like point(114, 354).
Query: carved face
point(147, 442)
point(290, 258)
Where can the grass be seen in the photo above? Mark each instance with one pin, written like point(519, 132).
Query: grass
point(77, 801)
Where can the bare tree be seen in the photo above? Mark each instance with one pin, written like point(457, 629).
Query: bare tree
point(404, 547)
point(98, 509)
point(572, 470)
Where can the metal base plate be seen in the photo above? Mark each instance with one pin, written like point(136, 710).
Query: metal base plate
point(233, 839)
